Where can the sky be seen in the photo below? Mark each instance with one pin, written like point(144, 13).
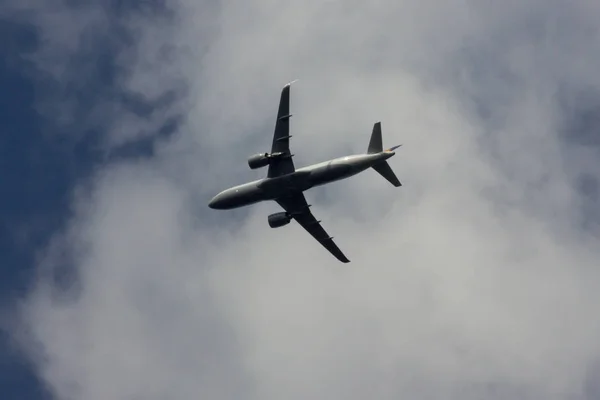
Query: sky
point(478, 278)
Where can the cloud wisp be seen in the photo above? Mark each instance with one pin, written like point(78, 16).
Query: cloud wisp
point(475, 279)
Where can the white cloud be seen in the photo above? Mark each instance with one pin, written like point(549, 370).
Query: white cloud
point(470, 281)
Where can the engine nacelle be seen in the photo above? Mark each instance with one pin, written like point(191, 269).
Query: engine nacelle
point(279, 219)
point(263, 159)
point(259, 161)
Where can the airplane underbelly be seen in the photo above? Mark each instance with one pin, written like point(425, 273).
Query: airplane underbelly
point(331, 173)
point(243, 196)
point(246, 200)
point(294, 182)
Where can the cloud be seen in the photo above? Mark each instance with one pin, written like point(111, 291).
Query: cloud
point(93, 60)
point(475, 279)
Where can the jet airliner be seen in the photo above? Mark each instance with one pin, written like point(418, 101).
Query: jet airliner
point(285, 184)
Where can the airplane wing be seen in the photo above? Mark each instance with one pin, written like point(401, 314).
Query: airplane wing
point(281, 137)
point(297, 206)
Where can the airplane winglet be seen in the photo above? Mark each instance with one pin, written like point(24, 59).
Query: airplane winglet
point(290, 83)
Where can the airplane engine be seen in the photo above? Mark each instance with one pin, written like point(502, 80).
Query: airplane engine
point(263, 159)
point(259, 161)
point(279, 219)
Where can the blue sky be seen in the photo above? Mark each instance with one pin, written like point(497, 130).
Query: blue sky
point(41, 166)
point(35, 200)
point(33, 204)
point(479, 278)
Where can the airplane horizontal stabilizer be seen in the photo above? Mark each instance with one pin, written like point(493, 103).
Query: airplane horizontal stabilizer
point(385, 170)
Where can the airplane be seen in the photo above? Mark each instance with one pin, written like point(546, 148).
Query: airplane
point(285, 184)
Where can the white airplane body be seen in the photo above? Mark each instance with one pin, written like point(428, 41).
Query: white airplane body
point(285, 185)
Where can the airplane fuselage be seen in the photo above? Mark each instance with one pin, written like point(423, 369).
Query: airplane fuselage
point(299, 181)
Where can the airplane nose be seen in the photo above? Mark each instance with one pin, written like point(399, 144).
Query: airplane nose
point(214, 202)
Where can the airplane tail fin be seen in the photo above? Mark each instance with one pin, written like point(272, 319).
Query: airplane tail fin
point(385, 170)
point(376, 146)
